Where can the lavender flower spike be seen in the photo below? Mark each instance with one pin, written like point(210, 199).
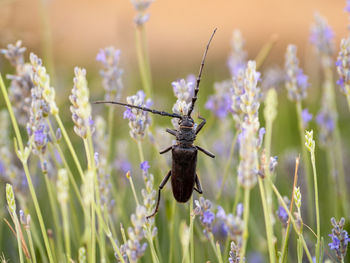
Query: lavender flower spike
point(221, 102)
point(238, 57)
point(111, 72)
point(340, 238)
point(343, 66)
point(81, 108)
point(322, 37)
point(141, 6)
point(296, 81)
point(138, 120)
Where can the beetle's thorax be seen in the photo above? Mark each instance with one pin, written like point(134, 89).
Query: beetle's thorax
point(187, 133)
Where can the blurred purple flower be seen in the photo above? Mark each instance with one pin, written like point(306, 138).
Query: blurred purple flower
point(347, 7)
point(325, 121)
point(340, 238)
point(145, 166)
point(282, 215)
point(101, 56)
point(128, 114)
point(306, 116)
point(239, 210)
point(208, 217)
point(322, 35)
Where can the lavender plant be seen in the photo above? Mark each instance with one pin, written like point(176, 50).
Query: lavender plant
point(76, 217)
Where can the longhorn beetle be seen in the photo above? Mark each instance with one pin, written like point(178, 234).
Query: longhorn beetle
point(183, 174)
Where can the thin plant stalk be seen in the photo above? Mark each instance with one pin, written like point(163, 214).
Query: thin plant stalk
point(318, 243)
point(18, 235)
point(246, 220)
point(268, 224)
point(305, 161)
point(285, 207)
point(227, 166)
point(191, 231)
point(70, 146)
point(171, 230)
point(110, 134)
point(149, 234)
point(64, 209)
point(329, 90)
point(143, 61)
point(65, 164)
point(53, 206)
point(285, 242)
point(215, 248)
point(31, 245)
point(26, 170)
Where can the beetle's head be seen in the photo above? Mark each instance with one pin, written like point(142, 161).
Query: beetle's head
point(186, 123)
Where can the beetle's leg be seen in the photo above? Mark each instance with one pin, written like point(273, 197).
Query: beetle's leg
point(172, 132)
point(198, 184)
point(200, 126)
point(166, 150)
point(206, 152)
point(162, 184)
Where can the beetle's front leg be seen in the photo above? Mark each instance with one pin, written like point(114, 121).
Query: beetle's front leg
point(172, 132)
point(162, 184)
point(206, 152)
point(200, 126)
point(166, 150)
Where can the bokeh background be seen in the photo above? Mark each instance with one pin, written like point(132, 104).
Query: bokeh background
point(71, 32)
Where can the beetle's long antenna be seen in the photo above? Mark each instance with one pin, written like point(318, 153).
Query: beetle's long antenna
point(163, 113)
point(200, 75)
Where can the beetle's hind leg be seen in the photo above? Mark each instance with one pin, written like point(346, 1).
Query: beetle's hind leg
point(162, 184)
point(198, 185)
point(206, 152)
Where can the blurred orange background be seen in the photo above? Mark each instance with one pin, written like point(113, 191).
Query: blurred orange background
point(176, 32)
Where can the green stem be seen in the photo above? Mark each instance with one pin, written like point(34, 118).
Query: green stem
point(227, 166)
point(191, 231)
point(305, 161)
point(143, 62)
point(331, 98)
point(18, 234)
point(70, 146)
point(348, 100)
point(31, 245)
point(65, 164)
point(53, 206)
point(65, 217)
point(317, 209)
point(291, 218)
point(246, 220)
point(268, 224)
point(26, 170)
point(215, 248)
point(110, 134)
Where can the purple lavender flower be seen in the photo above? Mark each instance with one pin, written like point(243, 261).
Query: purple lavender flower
point(208, 217)
point(145, 166)
point(282, 215)
point(347, 7)
point(343, 66)
point(296, 82)
point(128, 114)
point(340, 238)
point(322, 36)
point(326, 122)
point(306, 116)
point(111, 73)
point(273, 163)
point(221, 102)
point(237, 59)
